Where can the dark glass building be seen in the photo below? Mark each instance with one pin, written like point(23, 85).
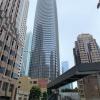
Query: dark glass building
point(44, 62)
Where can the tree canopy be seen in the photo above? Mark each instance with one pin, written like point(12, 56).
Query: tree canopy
point(35, 93)
point(44, 96)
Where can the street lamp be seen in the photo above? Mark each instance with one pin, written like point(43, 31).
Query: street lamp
point(98, 5)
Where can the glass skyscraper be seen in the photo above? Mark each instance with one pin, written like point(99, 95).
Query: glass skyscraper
point(44, 61)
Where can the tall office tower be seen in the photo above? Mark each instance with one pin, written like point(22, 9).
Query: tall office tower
point(87, 51)
point(64, 66)
point(44, 62)
point(26, 54)
point(8, 48)
point(21, 29)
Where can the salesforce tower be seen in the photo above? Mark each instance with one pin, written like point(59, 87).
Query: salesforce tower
point(44, 60)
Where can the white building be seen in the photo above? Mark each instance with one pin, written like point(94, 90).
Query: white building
point(21, 28)
point(22, 19)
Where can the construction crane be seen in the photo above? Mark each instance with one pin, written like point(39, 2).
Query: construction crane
point(98, 5)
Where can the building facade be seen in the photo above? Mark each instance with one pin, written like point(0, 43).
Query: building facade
point(26, 55)
point(25, 84)
point(8, 48)
point(87, 51)
point(21, 30)
point(21, 20)
point(64, 66)
point(70, 96)
point(44, 62)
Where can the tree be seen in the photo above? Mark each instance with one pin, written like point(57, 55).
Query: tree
point(35, 93)
point(44, 96)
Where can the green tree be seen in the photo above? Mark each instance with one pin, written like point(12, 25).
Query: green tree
point(44, 96)
point(35, 93)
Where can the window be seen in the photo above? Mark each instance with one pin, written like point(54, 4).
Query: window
point(8, 73)
point(25, 98)
point(12, 43)
point(17, 46)
point(0, 32)
point(10, 62)
point(14, 75)
point(5, 86)
point(7, 37)
point(34, 82)
point(6, 48)
point(2, 70)
point(1, 44)
point(31, 82)
point(4, 58)
point(81, 86)
point(19, 81)
point(0, 83)
point(20, 98)
point(11, 88)
point(82, 96)
point(12, 53)
point(18, 86)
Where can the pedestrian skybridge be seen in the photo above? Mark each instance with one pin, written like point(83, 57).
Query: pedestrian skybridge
point(75, 73)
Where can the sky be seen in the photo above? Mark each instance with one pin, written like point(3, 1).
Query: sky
point(74, 17)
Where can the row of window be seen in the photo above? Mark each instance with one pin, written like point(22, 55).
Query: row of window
point(8, 73)
point(8, 39)
point(6, 86)
point(6, 48)
point(32, 82)
point(5, 59)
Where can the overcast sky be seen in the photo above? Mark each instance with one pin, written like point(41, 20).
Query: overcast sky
point(74, 17)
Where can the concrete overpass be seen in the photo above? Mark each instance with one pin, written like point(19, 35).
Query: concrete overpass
point(75, 73)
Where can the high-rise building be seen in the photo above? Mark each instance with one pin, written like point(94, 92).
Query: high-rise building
point(21, 20)
point(64, 66)
point(8, 48)
point(26, 55)
point(21, 29)
point(44, 62)
point(87, 51)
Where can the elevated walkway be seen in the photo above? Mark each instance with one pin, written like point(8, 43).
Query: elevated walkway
point(75, 73)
